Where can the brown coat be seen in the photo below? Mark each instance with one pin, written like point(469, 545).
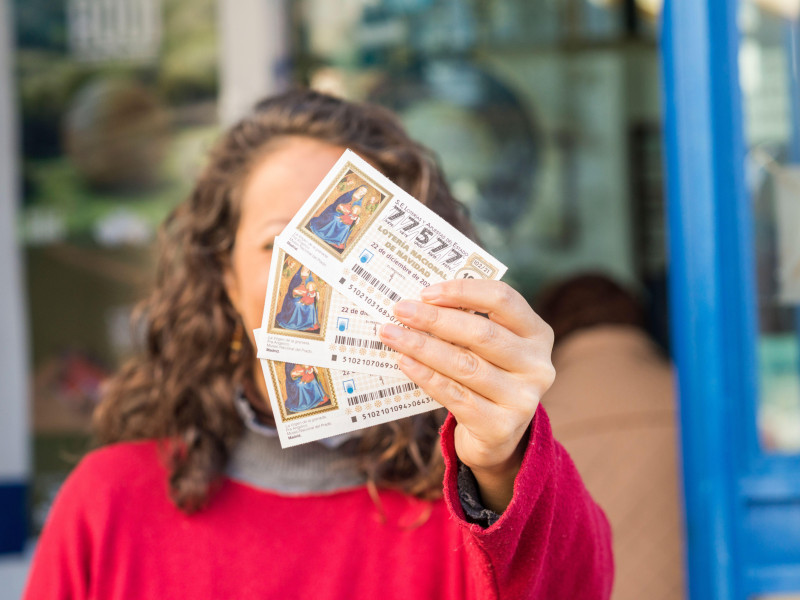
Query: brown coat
point(613, 407)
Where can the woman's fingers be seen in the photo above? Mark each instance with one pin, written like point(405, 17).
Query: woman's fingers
point(482, 418)
point(490, 373)
point(504, 305)
point(454, 362)
point(486, 338)
point(485, 430)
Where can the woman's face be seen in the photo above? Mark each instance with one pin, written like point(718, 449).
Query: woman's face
point(277, 187)
point(360, 193)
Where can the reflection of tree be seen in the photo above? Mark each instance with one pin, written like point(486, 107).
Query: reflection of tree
point(172, 97)
point(115, 135)
point(184, 72)
point(187, 67)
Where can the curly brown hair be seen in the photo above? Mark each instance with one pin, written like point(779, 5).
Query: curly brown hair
point(181, 387)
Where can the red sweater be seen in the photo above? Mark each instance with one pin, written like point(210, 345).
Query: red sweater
point(114, 534)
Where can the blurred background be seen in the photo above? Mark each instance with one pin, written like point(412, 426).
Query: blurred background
point(548, 119)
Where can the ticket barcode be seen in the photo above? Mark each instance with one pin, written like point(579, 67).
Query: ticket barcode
point(347, 340)
point(398, 389)
point(374, 281)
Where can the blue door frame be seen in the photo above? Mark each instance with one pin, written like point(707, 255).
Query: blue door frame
point(742, 506)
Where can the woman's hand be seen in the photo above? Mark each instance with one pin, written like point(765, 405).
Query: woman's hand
point(490, 373)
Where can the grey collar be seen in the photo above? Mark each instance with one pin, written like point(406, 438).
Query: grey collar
point(259, 460)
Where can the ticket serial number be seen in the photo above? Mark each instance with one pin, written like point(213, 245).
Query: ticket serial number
point(374, 414)
point(362, 295)
point(369, 362)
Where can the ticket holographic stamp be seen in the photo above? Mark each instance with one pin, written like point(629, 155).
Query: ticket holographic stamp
point(311, 403)
point(375, 243)
point(307, 321)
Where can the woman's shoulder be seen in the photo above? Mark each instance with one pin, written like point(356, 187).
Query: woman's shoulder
point(122, 457)
point(115, 468)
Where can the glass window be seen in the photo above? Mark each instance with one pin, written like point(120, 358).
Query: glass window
point(537, 112)
point(768, 57)
point(118, 106)
point(544, 115)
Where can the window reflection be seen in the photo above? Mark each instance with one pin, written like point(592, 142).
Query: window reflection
point(118, 106)
point(536, 110)
point(768, 75)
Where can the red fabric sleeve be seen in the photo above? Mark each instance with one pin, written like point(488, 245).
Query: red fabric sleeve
point(552, 541)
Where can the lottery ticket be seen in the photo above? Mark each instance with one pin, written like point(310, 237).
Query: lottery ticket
point(307, 321)
point(376, 244)
point(311, 403)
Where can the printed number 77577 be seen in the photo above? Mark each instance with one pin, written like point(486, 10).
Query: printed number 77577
point(399, 212)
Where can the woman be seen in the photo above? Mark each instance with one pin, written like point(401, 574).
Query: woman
point(334, 224)
point(192, 496)
point(299, 308)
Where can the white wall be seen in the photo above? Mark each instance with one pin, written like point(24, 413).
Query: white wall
point(14, 451)
point(14, 431)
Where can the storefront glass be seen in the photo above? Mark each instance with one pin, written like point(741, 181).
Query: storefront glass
point(118, 105)
point(544, 116)
point(768, 62)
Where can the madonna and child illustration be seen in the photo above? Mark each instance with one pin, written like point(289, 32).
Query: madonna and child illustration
point(304, 390)
point(299, 307)
point(303, 299)
point(343, 211)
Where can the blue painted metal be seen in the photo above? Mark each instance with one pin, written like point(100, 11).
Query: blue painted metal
point(742, 507)
point(13, 517)
point(710, 266)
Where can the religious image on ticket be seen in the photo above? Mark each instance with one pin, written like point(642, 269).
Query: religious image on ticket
point(301, 301)
point(307, 322)
point(401, 248)
point(304, 390)
point(311, 402)
point(345, 209)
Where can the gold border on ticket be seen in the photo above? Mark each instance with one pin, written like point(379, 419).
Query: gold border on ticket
point(316, 379)
point(300, 301)
point(344, 212)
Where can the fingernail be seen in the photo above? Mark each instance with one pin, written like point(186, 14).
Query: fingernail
point(405, 308)
point(390, 332)
point(430, 293)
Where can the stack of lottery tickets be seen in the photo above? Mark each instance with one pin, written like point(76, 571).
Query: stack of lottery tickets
point(357, 246)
